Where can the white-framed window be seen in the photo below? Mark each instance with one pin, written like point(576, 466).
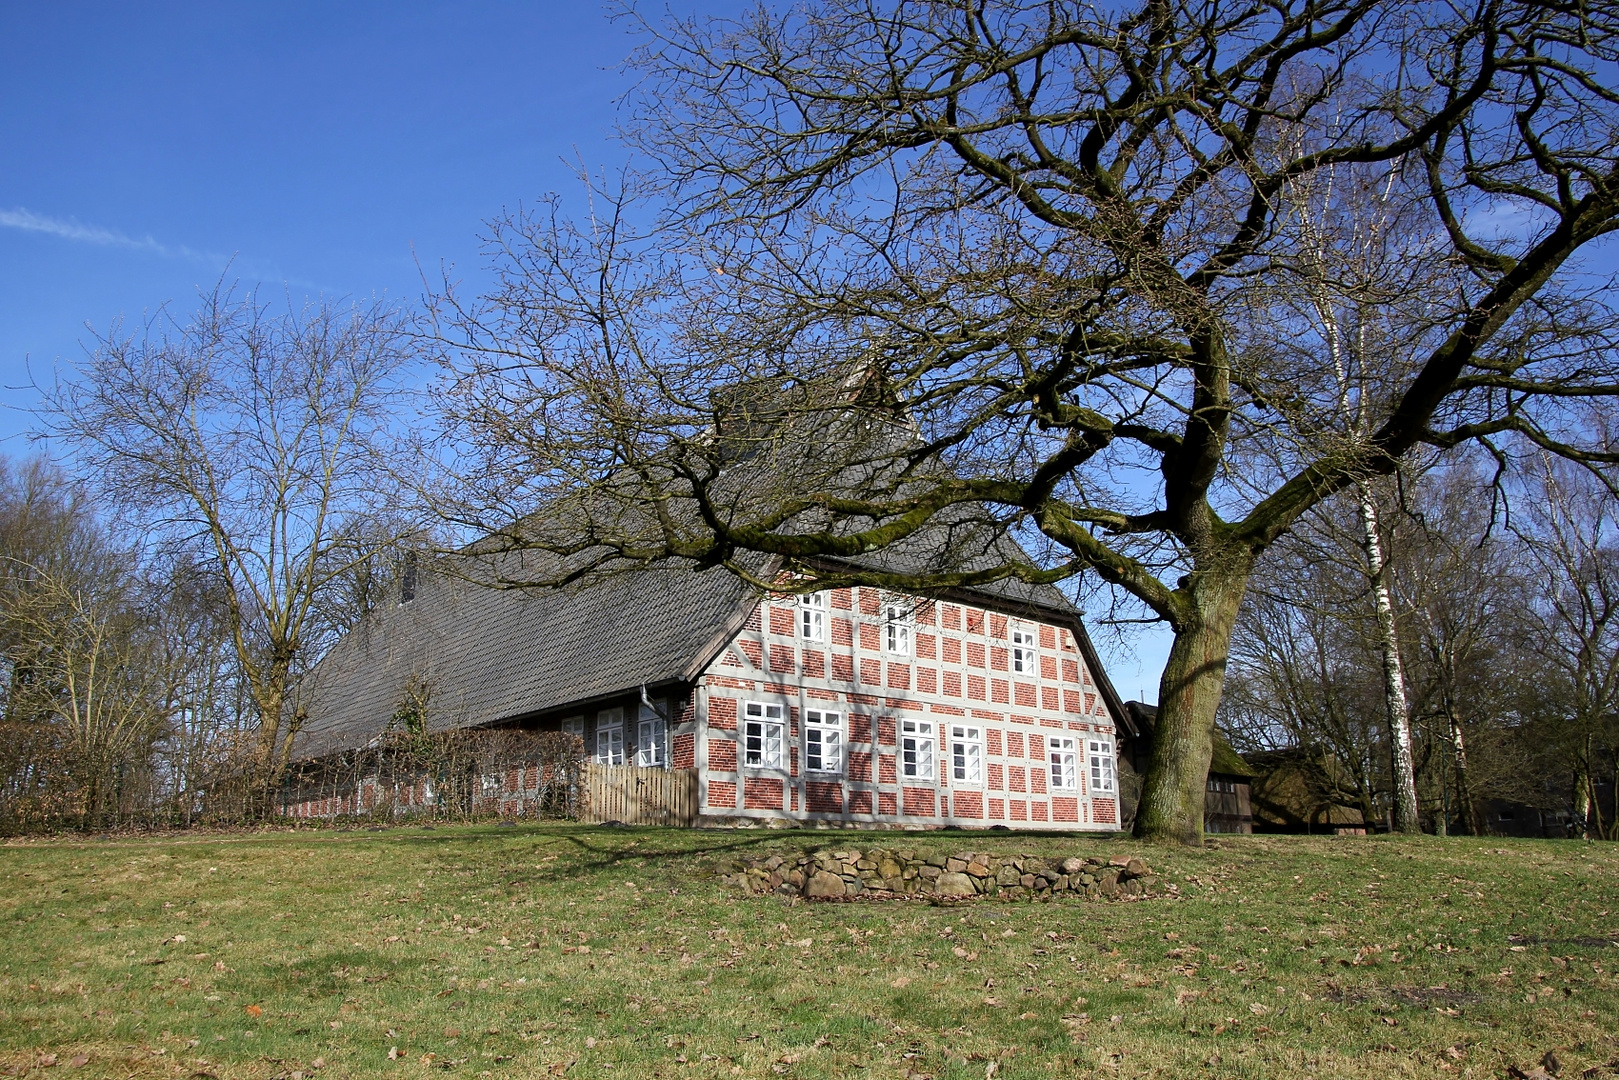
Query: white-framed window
point(899, 616)
point(1023, 654)
point(812, 616)
point(490, 785)
point(610, 737)
point(1101, 755)
point(574, 725)
point(967, 754)
point(652, 739)
point(1064, 764)
point(764, 736)
point(823, 741)
point(916, 749)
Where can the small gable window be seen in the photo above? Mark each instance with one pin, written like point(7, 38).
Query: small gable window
point(1023, 654)
point(899, 616)
point(812, 616)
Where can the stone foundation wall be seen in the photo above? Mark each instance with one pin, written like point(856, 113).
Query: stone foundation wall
point(884, 874)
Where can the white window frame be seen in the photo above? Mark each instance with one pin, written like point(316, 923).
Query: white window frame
point(917, 746)
point(609, 737)
point(1064, 754)
point(489, 785)
point(1024, 657)
point(652, 740)
point(1099, 753)
point(574, 725)
point(966, 754)
point(899, 622)
point(812, 616)
point(764, 735)
point(823, 741)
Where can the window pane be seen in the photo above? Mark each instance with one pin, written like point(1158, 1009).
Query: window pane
point(650, 746)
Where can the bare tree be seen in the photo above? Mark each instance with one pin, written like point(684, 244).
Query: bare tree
point(1571, 534)
point(251, 441)
point(928, 260)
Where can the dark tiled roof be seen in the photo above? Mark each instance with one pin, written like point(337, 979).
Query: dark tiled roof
point(494, 654)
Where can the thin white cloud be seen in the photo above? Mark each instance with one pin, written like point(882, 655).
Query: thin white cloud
point(25, 220)
point(70, 229)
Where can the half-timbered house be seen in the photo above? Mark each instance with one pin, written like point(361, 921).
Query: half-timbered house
point(976, 707)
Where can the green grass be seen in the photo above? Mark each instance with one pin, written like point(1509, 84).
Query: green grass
point(512, 952)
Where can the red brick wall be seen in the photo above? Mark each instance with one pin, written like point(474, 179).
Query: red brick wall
point(919, 801)
point(722, 713)
point(683, 754)
point(721, 794)
point(762, 793)
point(823, 797)
point(722, 755)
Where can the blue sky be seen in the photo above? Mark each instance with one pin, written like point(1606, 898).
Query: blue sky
point(315, 148)
point(312, 148)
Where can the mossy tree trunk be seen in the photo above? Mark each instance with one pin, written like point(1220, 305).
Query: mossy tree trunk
point(1188, 697)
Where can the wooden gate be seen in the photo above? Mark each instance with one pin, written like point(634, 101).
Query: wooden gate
point(640, 796)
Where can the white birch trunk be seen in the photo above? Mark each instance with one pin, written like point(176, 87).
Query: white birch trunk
point(1403, 765)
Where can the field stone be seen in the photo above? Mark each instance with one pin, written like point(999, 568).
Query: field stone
point(977, 870)
point(955, 865)
point(825, 884)
point(1134, 868)
point(954, 883)
point(1072, 866)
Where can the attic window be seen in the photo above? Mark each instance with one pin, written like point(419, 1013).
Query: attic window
point(812, 616)
point(1023, 654)
point(899, 616)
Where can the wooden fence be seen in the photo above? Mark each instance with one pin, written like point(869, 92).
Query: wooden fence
point(640, 796)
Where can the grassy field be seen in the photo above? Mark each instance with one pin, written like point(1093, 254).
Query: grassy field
point(595, 952)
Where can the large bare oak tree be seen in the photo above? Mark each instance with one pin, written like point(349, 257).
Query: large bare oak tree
point(1047, 256)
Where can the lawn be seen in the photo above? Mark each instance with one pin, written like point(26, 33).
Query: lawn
point(608, 952)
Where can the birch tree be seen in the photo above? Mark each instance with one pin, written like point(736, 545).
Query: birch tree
point(887, 267)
